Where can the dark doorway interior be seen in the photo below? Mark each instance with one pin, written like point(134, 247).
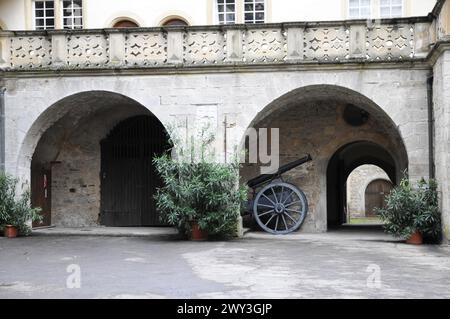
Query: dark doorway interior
point(128, 176)
point(343, 162)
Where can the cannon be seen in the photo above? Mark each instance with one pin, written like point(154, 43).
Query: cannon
point(278, 207)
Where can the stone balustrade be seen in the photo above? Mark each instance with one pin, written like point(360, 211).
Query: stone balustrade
point(266, 44)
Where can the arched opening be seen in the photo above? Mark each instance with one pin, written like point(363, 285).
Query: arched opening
point(125, 23)
point(174, 21)
point(366, 188)
point(69, 159)
point(128, 176)
point(345, 161)
point(341, 129)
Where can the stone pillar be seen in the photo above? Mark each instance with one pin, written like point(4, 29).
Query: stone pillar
point(295, 45)
point(2, 129)
point(117, 48)
point(441, 109)
point(175, 40)
point(441, 100)
point(234, 45)
point(59, 49)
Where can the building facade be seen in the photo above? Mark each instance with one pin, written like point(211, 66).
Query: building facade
point(86, 102)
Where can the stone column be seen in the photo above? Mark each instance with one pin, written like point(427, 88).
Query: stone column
point(441, 109)
point(441, 100)
point(2, 129)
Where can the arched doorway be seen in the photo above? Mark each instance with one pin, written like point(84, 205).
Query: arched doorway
point(341, 129)
point(128, 176)
point(125, 24)
point(375, 194)
point(65, 144)
point(344, 161)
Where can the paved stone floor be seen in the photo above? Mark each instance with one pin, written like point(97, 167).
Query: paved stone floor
point(340, 264)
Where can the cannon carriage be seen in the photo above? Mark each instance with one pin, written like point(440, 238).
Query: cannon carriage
point(278, 207)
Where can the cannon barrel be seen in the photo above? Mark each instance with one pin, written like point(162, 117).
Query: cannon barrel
point(283, 169)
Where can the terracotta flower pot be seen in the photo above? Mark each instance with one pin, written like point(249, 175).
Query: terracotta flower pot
point(416, 238)
point(197, 233)
point(10, 231)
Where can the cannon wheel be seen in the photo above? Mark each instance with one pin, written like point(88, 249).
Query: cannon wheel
point(280, 208)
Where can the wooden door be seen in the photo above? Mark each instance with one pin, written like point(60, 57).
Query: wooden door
point(41, 194)
point(128, 177)
point(375, 195)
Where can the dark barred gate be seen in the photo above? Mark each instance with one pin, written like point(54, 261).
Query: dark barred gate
point(128, 177)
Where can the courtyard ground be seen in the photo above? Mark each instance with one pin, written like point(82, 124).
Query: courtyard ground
point(155, 264)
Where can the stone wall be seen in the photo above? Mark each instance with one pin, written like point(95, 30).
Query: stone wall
point(357, 183)
point(317, 128)
point(441, 94)
point(397, 98)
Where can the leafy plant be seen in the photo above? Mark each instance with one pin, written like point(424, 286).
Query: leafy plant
point(199, 189)
point(409, 209)
point(16, 210)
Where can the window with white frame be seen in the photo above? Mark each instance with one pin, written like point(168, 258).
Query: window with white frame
point(359, 9)
point(72, 14)
point(226, 10)
point(254, 11)
point(391, 8)
point(44, 15)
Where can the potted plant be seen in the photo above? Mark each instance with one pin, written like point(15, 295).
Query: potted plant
point(413, 212)
point(199, 196)
point(15, 211)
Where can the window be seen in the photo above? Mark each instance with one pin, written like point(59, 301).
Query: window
point(254, 11)
point(125, 24)
point(359, 9)
point(72, 14)
point(44, 15)
point(226, 10)
point(391, 8)
point(175, 22)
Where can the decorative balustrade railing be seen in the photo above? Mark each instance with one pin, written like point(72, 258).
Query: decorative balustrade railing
point(288, 43)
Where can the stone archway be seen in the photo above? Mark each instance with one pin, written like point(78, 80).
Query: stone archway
point(320, 120)
point(65, 153)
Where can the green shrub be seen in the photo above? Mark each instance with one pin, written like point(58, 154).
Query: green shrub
point(16, 210)
point(409, 209)
point(196, 188)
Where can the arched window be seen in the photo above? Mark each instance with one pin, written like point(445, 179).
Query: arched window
point(175, 22)
point(125, 24)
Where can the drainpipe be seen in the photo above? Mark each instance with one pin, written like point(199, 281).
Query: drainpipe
point(2, 129)
point(432, 168)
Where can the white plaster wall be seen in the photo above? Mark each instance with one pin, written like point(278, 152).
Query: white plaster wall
point(149, 13)
point(12, 14)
